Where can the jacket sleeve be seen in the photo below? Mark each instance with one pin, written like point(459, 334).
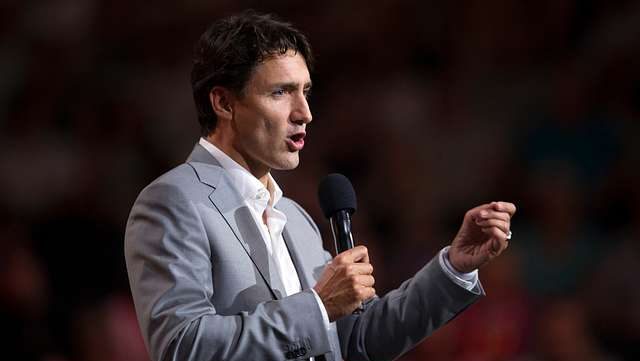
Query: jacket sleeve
point(393, 324)
point(168, 260)
point(405, 316)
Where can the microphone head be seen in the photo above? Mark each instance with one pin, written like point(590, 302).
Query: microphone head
point(336, 193)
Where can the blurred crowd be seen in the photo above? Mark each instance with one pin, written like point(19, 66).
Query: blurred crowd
point(430, 108)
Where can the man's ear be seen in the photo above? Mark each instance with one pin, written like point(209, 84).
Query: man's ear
point(221, 100)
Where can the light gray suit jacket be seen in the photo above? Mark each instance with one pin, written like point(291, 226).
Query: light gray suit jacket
point(205, 287)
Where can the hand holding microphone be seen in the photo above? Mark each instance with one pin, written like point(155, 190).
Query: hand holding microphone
point(347, 280)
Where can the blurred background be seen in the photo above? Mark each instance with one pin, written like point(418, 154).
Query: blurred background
point(430, 107)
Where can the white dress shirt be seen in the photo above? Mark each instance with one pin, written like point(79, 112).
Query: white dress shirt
point(261, 201)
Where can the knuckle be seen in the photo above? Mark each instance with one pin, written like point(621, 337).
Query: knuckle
point(350, 268)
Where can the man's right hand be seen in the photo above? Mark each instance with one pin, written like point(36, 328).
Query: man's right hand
point(346, 282)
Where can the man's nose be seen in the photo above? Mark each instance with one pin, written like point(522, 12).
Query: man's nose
point(301, 113)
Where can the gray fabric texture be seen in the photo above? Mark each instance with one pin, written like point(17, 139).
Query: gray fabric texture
point(205, 288)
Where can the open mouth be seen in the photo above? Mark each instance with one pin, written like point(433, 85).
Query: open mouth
point(296, 141)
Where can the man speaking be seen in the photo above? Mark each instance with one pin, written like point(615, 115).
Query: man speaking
point(223, 267)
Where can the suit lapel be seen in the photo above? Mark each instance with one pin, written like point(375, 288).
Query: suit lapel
point(237, 215)
point(296, 257)
point(232, 208)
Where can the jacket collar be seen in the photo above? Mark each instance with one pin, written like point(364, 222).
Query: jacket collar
point(233, 209)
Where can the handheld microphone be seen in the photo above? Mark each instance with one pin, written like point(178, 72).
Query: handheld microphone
point(338, 203)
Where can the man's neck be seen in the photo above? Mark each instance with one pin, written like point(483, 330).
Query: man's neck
point(258, 171)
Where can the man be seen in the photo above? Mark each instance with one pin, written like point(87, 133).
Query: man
point(222, 267)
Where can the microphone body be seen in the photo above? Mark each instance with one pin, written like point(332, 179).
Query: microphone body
point(338, 203)
point(341, 229)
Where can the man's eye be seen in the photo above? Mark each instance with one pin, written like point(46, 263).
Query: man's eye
point(278, 92)
point(307, 93)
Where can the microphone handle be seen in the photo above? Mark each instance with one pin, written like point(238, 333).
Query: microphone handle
point(341, 229)
point(342, 237)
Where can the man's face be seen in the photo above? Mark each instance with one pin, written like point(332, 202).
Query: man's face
point(269, 119)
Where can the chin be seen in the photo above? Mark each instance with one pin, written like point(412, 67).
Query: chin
point(287, 162)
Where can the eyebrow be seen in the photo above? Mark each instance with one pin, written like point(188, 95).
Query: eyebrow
point(291, 86)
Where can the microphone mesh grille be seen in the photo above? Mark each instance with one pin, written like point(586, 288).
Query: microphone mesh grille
point(336, 193)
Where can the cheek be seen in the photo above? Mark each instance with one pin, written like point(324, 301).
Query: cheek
point(264, 123)
point(253, 126)
point(275, 125)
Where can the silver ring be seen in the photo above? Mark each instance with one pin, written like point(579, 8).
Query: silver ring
point(509, 235)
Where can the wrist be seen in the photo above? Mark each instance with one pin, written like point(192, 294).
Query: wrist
point(467, 281)
point(453, 259)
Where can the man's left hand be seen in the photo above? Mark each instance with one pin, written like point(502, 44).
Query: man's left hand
point(482, 237)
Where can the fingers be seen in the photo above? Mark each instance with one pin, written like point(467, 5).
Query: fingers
point(365, 293)
point(502, 225)
point(494, 214)
point(470, 250)
point(499, 240)
point(353, 255)
point(362, 287)
point(364, 280)
point(346, 282)
point(500, 210)
point(355, 269)
point(495, 232)
point(489, 214)
point(353, 262)
point(504, 207)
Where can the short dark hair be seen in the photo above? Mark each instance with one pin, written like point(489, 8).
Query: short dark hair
point(229, 50)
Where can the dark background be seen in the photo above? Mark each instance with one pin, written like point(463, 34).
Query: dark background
point(430, 107)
